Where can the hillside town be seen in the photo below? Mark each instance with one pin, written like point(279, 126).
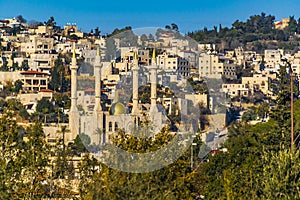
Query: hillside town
point(29, 66)
point(88, 86)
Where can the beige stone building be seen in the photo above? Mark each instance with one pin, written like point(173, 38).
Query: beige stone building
point(190, 56)
point(38, 44)
point(295, 63)
point(42, 30)
point(206, 47)
point(210, 66)
point(143, 57)
point(272, 58)
point(171, 63)
point(257, 82)
point(229, 68)
point(9, 77)
point(249, 85)
point(282, 24)
point(63, 47)
point(101, 42)
point(234, 90)
point(34, 80)
point(72, 29)
point(29, 100)
point(42, 62)
point(198, 99)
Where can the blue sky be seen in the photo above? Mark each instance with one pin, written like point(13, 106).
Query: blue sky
point(189, 15)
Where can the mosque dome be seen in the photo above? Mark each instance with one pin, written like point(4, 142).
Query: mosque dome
point(117, 109)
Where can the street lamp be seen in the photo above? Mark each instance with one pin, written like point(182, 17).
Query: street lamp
point(193, 144)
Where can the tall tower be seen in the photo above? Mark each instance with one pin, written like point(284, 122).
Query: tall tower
point(73, 114)
point(98, 120)
point(135, 84)
point(155, 115)
point(153, 80)
point(98, 107)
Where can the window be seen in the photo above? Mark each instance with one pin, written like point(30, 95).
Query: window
point(116, 126)
point(110, 126)
point(35, 82)
point(43, 82)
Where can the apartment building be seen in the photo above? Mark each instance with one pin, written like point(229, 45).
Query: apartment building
point(210, 66)
point(42, 62)
point(190, 56)
point(272, 58)
point(72, 29)
point(37, 44)
point(236, 90)
point(171, 63)
point(249, 85)
point(34, 80)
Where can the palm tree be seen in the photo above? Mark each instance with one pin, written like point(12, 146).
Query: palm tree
point(63, 165)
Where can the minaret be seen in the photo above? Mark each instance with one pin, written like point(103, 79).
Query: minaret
point(155, 115)
point(153, 80)
point(73, 114)
point(98, 121)
point(135, 84)
point(98, 107)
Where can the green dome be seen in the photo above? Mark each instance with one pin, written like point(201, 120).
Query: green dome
point(117, 109)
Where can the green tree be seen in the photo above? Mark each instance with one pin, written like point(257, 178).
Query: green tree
point(62, 168)
point(58, 81)
point(143, 39)
point(151, 37)
point(43, 108)
point(23, 162)
point(176, 181)
point(174, 27)
point(110, 49)
point(11, 161)
point(81, 143)
point(24, 65)
point(18, 86)
point(281, 112)
point(281, 175)
point(292, 28)
point(50, 22)
point(97, 32)
point(36, 163)
point(21, 19)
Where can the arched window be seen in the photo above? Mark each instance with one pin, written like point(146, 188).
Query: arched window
point(139, 122)
point(116, 126)
point(110, 126)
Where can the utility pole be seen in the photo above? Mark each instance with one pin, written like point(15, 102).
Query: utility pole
point(292, 100)
point(292, 106)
